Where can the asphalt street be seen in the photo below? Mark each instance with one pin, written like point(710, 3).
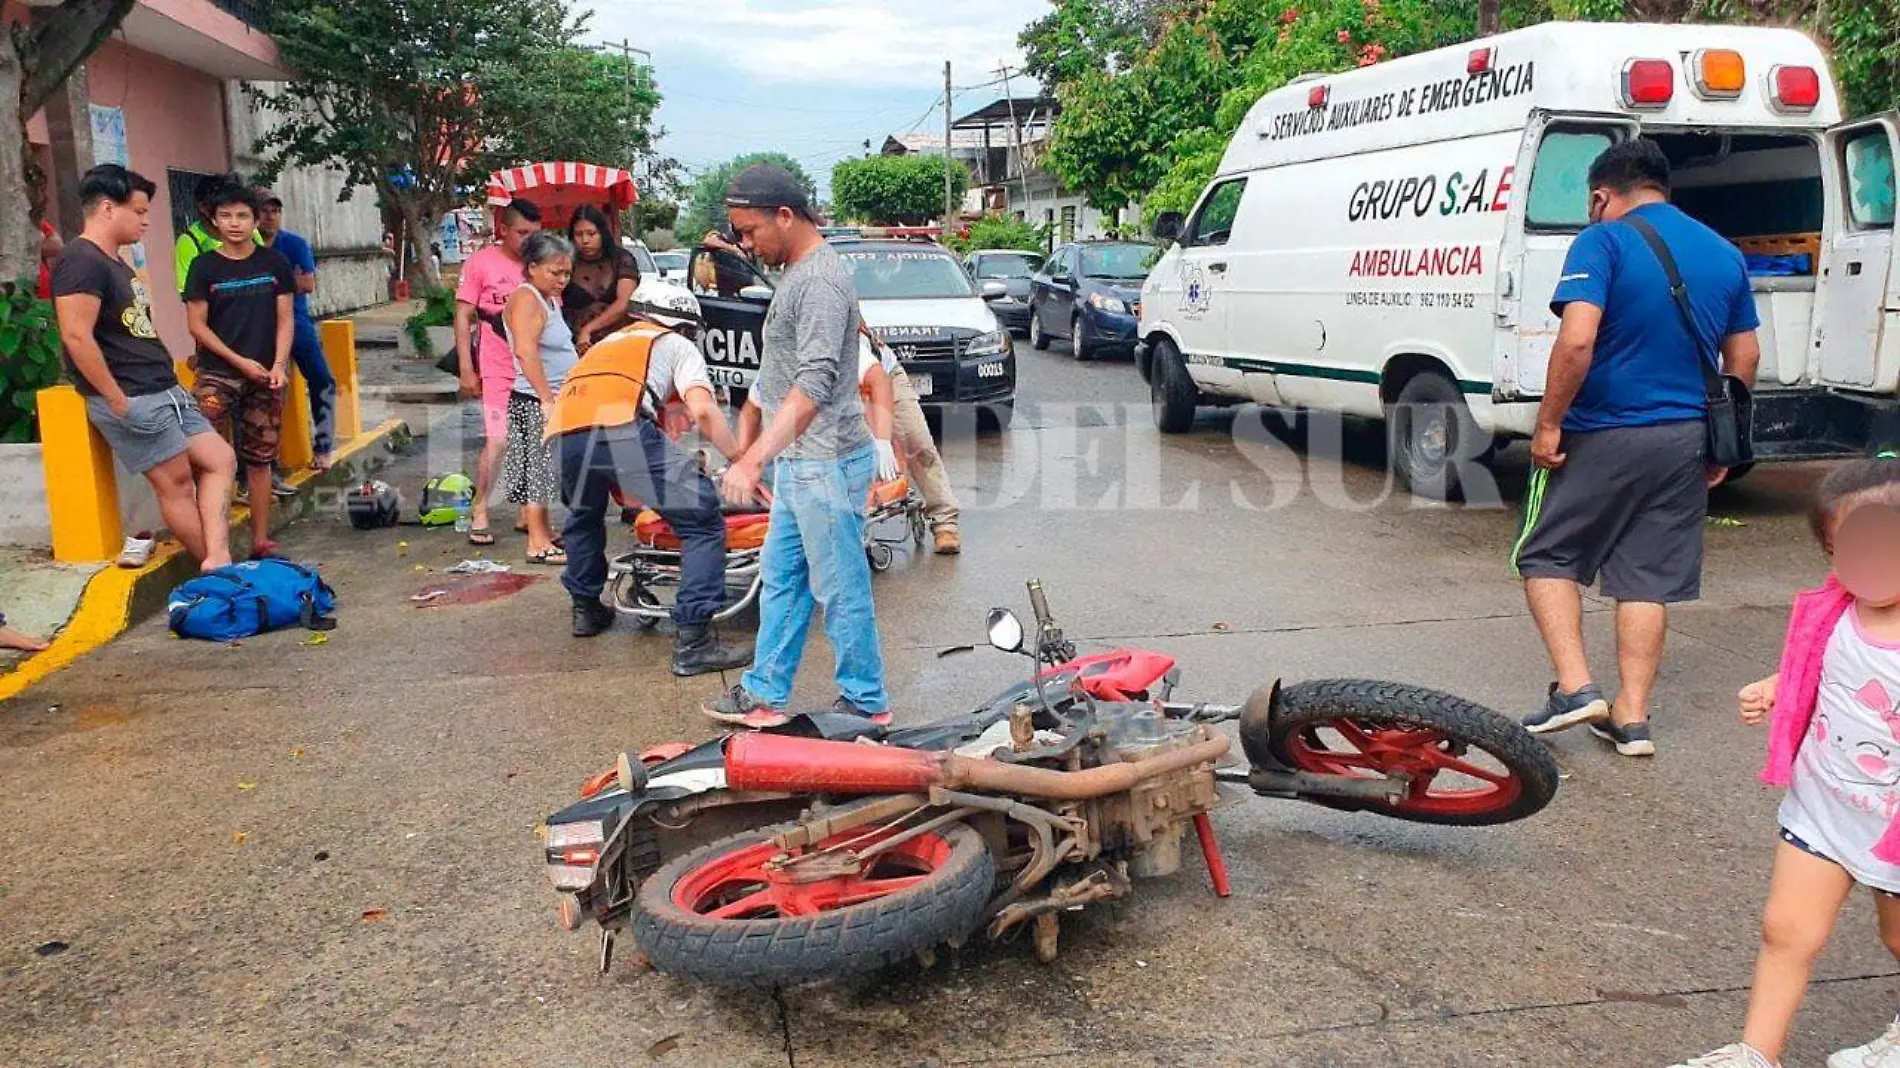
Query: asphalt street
point(289, 853)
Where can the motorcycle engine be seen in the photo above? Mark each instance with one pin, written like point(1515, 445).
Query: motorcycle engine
point(1147, 825)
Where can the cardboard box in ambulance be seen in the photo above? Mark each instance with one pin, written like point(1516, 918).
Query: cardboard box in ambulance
point(1385, 242)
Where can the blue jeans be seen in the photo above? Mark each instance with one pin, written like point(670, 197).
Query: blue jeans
point(306, 348)
point(814, 556)
point(645, 467)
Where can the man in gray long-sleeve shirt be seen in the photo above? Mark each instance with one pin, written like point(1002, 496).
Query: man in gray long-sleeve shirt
point(803, 417)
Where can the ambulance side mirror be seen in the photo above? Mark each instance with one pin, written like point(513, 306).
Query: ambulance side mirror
point(1168, 226)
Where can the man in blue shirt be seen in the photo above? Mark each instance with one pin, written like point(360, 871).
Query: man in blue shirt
point(306, 345)
point(1622, 485)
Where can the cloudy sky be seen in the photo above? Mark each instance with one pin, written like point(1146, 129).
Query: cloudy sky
point(812, 78)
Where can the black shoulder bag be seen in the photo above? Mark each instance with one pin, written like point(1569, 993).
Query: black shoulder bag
point(1731, 416)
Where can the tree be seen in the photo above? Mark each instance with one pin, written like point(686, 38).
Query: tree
point(36, 58)
point(895, 190)
point(421, 100)
point(1091, 36)
point(706, 201)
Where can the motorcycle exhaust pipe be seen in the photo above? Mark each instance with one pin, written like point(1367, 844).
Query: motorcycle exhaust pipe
point(800, 765)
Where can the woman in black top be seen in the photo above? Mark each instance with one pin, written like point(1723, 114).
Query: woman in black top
point(605, 276)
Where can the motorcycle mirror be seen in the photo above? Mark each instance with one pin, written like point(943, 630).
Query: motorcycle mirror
point(1006, 631)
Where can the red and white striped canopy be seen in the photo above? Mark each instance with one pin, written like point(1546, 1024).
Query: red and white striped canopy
point(565, 181)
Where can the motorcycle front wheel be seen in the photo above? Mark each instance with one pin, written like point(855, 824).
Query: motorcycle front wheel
point(725, 914)
point(1465, 765)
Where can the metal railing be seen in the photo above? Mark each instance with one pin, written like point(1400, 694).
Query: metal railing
point(249, 12)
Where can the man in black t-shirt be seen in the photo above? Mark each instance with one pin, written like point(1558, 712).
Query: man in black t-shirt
point(119, 365)
point(239, 304)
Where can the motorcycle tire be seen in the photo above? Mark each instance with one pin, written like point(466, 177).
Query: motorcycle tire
point(1371, 729)
point(762, 946)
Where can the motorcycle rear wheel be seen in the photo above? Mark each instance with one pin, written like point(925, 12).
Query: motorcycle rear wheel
point(717, 915)
point(1372, 729)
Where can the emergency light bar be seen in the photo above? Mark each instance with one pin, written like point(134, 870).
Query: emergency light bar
point(1720, 73)
point(1648, 84)
point(1794, 88)
point(1317, 96)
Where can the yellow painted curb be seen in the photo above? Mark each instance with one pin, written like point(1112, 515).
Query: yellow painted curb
point(105, 608)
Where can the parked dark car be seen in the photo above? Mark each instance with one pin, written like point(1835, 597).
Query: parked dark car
point(913, 294)
point(1014, 268)
point(1090, 293)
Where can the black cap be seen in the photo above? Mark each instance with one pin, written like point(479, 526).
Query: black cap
point(269, 199)
point(768, 186)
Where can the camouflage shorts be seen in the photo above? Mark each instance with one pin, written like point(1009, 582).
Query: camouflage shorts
point(251, 415)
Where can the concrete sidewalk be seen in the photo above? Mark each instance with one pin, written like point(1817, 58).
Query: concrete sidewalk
point(46, 598)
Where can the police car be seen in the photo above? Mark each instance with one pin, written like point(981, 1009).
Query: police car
point(914, 294)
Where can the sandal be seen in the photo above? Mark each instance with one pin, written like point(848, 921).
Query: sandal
point(480, 536)
point(552, 557)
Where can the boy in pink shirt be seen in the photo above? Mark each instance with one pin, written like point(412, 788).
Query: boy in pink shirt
point(488, 367)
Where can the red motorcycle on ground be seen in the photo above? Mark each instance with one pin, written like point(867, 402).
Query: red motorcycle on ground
point(1056, 794)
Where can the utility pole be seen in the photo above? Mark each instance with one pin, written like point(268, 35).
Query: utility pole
point(949, 208)
point(1016, 138)
point(627, 52)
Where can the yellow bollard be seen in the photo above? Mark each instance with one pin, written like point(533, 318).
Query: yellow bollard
point(82, 486)
point(295, 449)
point(339, 348)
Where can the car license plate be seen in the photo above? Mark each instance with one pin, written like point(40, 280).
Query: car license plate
point(923, 385)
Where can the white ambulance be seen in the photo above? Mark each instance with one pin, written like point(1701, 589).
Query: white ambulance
point(1384, 242)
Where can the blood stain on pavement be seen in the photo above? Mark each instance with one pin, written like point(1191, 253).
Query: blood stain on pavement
point(473, 589)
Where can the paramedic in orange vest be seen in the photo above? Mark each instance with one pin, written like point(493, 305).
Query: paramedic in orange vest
point(606, 436)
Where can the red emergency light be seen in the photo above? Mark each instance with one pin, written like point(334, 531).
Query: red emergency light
point(1794, 88)
point(1479, 60)
point(1317, 96)
point(1648, 83)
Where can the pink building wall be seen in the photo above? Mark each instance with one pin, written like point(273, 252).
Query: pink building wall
point(174, 117)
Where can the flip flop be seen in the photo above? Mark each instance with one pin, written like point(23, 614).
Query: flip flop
point(555, 557)
point(480, 536)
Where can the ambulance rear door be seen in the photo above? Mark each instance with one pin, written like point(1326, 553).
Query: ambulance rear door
point(1857, 317)
point(1552, 208)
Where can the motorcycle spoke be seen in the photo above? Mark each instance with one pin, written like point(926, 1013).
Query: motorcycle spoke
point(1453, 764)
point(756, 901)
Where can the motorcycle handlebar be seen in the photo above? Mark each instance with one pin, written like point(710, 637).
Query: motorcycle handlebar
point(1039, 603)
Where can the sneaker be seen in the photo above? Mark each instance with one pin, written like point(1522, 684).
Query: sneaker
point(280, 489)
point(1563, 711)
point(738, 706)
point(138, 550)
point(1882, 1052)
point(1632, 740)
point(844, 707)
point(1740, 1055)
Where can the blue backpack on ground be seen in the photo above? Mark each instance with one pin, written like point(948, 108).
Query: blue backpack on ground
point(251, 598)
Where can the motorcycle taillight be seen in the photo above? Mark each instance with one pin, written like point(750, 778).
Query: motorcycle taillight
point(573, 849)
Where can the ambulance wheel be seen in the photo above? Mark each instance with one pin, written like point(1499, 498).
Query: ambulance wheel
point(1429, 427)
point(1037, 336)
point(1172, 391)
point(880, 557)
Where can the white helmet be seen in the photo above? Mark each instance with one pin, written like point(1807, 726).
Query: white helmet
point(669, 306)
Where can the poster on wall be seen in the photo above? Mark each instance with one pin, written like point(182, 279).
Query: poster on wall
point(109, 146)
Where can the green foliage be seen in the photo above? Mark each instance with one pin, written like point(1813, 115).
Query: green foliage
point(438, 309)
point(894, 190)
point(1083, 37)
point(661, 240)
point(706, 200)
point(652, 213)
point(1866, 37)
point(29, 358)
point(1002, 231)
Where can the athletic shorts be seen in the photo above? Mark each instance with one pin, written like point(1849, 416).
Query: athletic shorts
point(255, 413)
point(158, 427)
point(1796, 841)
point(495, 394)
point(1628, 504)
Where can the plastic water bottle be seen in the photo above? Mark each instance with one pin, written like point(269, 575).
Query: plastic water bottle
point(462, 522)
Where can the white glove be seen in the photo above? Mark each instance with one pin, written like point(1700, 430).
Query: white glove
point(886, 460)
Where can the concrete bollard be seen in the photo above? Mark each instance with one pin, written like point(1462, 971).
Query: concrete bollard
point(82, 487)
point(339, 348)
